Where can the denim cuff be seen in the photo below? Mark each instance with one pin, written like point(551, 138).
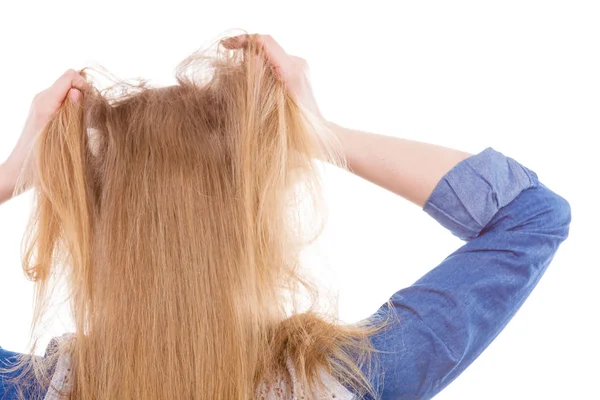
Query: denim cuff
point(471, 193)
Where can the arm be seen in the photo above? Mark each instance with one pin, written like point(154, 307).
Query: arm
point(6, 183)
point(511, 222)
point(44, 105)
point(513, 226)
point(410, 169)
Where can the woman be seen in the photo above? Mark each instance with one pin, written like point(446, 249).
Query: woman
point(196, 247)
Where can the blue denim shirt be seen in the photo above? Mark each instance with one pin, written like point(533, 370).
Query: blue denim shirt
point(512, 225)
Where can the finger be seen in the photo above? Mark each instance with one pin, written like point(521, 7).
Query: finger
point(273, 50)
point(74, 95)
point(70, 79)
point(236, 42)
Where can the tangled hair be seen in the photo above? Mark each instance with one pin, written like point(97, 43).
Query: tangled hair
point(175, 217)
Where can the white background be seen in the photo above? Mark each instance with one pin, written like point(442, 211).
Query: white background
point(520, 76)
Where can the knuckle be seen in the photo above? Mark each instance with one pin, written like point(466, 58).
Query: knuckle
point(70, 74)
point(300, 62)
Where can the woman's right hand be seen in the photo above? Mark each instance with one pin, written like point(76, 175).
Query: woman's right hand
point(44, 105)
point(292, 70)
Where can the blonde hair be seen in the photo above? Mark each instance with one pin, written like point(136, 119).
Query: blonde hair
point(176, 217)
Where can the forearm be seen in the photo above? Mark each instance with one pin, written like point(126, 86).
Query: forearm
point(12, 167)
point(408, 168)
point(7, 183)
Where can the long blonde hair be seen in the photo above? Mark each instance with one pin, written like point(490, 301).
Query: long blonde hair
point(176, 217)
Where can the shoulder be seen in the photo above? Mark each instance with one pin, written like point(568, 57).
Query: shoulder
point(58, 350)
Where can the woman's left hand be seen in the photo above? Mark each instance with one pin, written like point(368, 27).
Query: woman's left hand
point(45, 104)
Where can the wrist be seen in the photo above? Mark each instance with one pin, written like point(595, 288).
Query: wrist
point(338, 131)
point(344, 137)
point(10, 171)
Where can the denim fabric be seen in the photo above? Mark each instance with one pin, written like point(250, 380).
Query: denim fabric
point(6, 358)
point(512, 225)
point(8, 392)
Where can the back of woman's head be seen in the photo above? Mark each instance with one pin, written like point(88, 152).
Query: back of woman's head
point(176, 217)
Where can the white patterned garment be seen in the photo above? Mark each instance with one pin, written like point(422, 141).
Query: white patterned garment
point(61, 377)
point(333, 389)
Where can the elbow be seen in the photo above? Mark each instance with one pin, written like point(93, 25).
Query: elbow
point(563, 211)
point(563, 215)
point(556, 216)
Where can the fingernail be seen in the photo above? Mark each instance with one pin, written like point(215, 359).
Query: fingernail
point(74, 95)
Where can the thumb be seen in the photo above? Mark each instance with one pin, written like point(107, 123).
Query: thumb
point(74, 95)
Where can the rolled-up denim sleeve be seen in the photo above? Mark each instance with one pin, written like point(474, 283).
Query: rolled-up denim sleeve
point(512, 225)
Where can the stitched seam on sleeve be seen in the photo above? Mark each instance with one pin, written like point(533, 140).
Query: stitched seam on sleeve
point(441, 211)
